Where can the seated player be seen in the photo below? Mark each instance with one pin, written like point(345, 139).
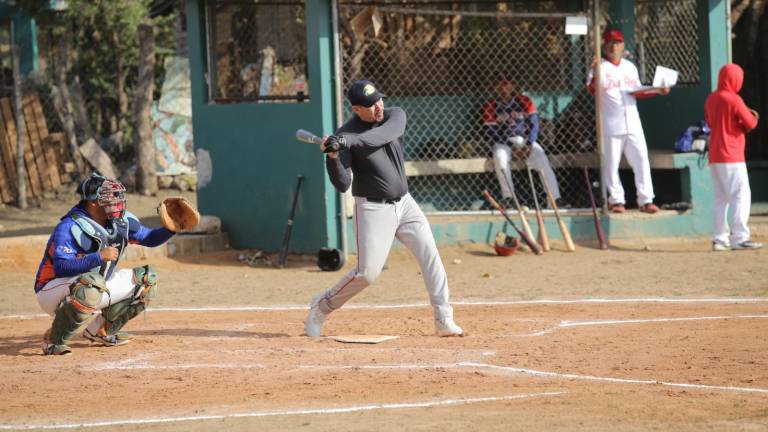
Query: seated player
point(78, 275)
point(511, 123)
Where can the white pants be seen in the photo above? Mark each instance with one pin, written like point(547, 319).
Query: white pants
point(537, 160)
point(120, 287)
point(731, 185)
point(634, 148)
point(376, 226)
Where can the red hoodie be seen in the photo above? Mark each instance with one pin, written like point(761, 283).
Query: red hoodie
point(728, 117)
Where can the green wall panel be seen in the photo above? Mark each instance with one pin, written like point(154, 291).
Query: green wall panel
point(254, 156)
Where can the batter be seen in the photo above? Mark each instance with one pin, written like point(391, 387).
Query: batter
point(367, 153)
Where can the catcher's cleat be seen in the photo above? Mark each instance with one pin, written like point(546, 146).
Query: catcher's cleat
point(445, 327)
point(125, 336)
point(720, 246)
point(107, 340)
point(53, 349)
point(313, 326)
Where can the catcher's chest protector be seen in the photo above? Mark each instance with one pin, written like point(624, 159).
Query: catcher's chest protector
point(92, 237)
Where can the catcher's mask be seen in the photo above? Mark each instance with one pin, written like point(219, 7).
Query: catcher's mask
point(329, 259)
point(108, 193)
point(505, 245)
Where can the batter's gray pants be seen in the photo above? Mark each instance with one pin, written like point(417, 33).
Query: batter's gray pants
point(376, 226)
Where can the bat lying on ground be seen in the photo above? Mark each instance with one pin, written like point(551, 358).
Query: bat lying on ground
point(526, 238)
point(520, 212)
point(598, 224)
point(563, 229)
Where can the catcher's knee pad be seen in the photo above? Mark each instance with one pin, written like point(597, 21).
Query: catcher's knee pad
point(145, 279)
point(145, 289)
point(118, 314)
point(83, 299)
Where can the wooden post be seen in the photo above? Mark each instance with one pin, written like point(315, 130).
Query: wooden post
point(21, 198)
point(146, 176)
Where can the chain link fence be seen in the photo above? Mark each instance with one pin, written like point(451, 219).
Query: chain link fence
point(258, 51)
point(666, 34)
point(442, 63)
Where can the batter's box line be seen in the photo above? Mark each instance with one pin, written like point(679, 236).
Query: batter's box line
point(571, 324)
point(516, 371)
point(338, 410)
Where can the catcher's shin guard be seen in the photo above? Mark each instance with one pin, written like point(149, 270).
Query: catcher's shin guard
point(118, 314)
point(83, 299)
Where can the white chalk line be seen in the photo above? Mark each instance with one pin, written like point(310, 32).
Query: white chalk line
point(279, 308)
point(534, 372)
point(514, 370)
point(570, 324)
point(341, 410)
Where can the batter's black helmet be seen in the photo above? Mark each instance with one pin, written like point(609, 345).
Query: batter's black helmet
point(329, 259)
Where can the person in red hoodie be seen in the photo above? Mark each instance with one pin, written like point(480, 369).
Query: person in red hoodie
point(729, 120)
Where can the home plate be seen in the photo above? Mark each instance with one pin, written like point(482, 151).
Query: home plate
point(365, 339)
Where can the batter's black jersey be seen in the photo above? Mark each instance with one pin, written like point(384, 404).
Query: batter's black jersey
point(375, 157)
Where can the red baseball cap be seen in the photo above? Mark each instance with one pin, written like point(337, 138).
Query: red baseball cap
point(613, 35)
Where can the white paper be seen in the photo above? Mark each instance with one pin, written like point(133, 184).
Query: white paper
point(576, 25)
point(664, 77)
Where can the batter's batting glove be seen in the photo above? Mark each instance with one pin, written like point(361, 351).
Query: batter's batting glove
point(335, 143)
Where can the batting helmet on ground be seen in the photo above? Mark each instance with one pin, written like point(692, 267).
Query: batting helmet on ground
point(329, 259)
point(505, 245)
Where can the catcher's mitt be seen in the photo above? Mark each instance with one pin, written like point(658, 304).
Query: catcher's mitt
point(177, 214)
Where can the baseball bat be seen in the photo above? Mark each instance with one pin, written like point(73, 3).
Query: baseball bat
point(543, 237)
point(519, 208)
point(289, 227)
point(563, 229)
point(526, 238)
point(308, 137)
point(598, 224)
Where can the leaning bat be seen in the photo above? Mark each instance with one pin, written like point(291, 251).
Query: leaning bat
point(543, 237)
point(563, 229)
point(519, 208)
point(526, 238)
point(289, 227)
point(308, 137)
point(598, 224)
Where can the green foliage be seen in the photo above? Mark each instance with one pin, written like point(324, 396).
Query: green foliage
point(103, 50)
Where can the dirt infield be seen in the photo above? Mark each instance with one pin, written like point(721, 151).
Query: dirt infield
point(659, 336)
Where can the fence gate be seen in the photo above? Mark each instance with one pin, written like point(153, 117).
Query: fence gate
point(441, 61)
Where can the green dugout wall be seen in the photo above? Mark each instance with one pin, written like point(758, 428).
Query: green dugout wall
point(255, 158)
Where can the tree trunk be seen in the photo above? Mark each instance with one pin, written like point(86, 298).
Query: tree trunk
point(63, 104)
point(146, 177)
point(21, 199)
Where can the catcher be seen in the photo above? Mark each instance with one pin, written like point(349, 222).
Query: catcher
point(78, 275)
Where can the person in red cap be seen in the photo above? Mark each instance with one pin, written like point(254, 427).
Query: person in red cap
point(621, 127)
point(730, 119)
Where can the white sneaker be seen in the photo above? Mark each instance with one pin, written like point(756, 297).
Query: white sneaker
point(445, 327)
point(749, 244)
point(720, 246)
point(313, 326)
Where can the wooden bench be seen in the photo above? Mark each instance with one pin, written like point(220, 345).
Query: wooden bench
point(43, 151)
point(659, 159)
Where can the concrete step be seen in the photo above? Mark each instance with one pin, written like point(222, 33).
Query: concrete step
point(182, 244)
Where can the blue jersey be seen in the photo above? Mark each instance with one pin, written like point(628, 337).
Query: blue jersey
point(71, 251)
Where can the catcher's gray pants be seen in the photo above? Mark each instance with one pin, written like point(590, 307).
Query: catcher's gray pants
point(376, 226)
